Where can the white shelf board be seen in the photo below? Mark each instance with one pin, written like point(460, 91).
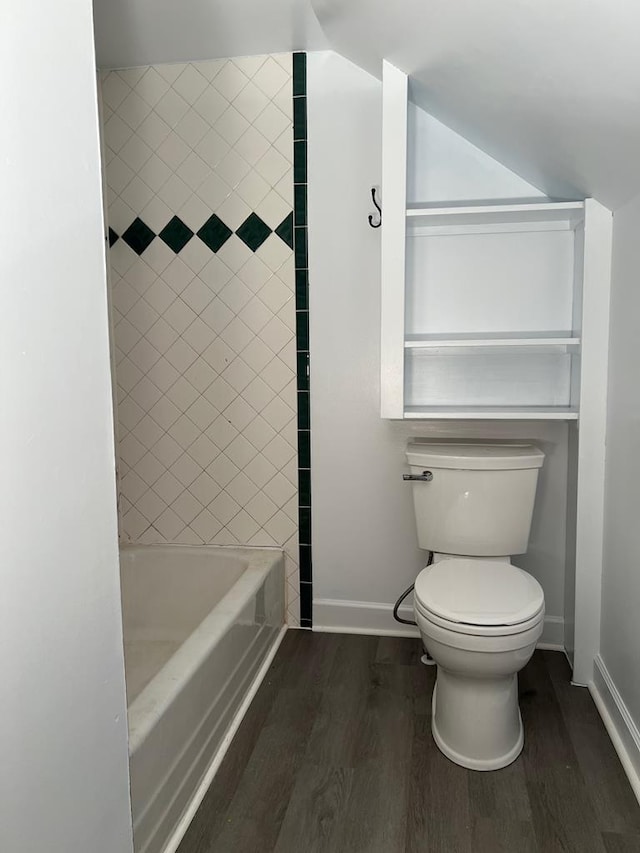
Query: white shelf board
point(571, 212)
point(493, 339)
point(504, 413)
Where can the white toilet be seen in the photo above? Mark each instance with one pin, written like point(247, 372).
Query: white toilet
point(479, 615)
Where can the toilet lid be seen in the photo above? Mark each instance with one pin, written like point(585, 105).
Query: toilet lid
point(477, 592)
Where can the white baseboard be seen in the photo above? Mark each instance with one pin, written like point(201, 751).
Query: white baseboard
point(618, 722)
point(370, 617)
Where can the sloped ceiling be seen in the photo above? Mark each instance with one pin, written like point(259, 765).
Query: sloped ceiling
point(550, 88)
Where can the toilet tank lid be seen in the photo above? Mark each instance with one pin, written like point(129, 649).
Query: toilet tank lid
point(474, 455)
point(479, 592)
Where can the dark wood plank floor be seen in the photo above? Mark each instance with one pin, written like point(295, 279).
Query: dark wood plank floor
point(335, 755)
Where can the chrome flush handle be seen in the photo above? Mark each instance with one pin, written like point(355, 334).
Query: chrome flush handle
point(425, 477)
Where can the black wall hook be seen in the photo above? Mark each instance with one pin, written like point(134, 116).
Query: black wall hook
point(375, 219)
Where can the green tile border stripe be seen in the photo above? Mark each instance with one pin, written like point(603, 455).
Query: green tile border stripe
point(300, 243)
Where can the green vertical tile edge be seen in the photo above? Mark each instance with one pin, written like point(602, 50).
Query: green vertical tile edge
point(300, 162)
point(299, 74)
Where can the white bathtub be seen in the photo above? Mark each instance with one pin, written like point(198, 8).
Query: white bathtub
point(198, 624)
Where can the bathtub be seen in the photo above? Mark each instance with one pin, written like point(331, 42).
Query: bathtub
point(198, 625)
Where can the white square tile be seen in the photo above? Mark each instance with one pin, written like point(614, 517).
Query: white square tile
point(196, 255)
point(161, 335)
point(182, 393)
point(257, 354)
point(235, 253)
point(146, 393)
point(130, 450)
point(165, 413)
point(216, 274)
point(278, 451)
point(185, 469)
point(122, 257)
point(134, 524)
point(250, 101)
point(200, 375)
point(128, 375)
point(124, 296)
point(249, 65)
point(213, 191)
point(290, 432)
point(152, 87)
point(204, 488)
point(198, 335)
point(271, 77)
point(150, 469)
point(135, 153)
point(210, 68)
point(272, 166)
point(258, 394)
point(275, 334)
point(206, 525)
point(193, 171)
point(204, 451)
point(252, 145)
point(280, 526)
point(132, 486)
point(170, 71)
point(220, 393)
point(158, 256)
point(223, 507)
point(259, 432)
point(180, 355)
point(192, 128)
point(221, 432)
point(233, 211)
point(174, 192)
point(235, 295)
point(150, 505)
point(261, 470)
point(225, 537)
point(280, 490)
point(186, 506)
point(194, 213)
point(133, 110)
point(163, 374)
point(190, 83)
point(179, 315)
point(238, 374)
point(184, 431)
point(120, 216)
point(202, 413)
point(239, 413)
point(232, 168)
point(284, 100)
point(118, 175)
point(153, 130)
point(168, 487)
point(159, 295)
point(275, 294)
point(277, 374)
point(156, 214)
point(147, 432)
point(116, 133)
point(285, 60)
point(140, 275)
point(273, 209)
point(171, 107)
point(211, 104)
point(136, 194)
point(177, 274)
point(114, 89)
point(254, 272)
point(261, 508)
point(241, 488)
point(155, 173)
point(237, 335)
point(142, 316)
point(169, 524)
point(230, 80)
point(188, 537)
point(218, 355)
point(277, 413)
point(284, 144)
point(222, 469)
point(144, 355)
point(129, 413)
point(243, 526)
point(167, 450)
point(173, 150)
point(252, 189)
point(197, 295)
point(212, 147)
point(284, 187)
point(272, 122)
point(241, 451)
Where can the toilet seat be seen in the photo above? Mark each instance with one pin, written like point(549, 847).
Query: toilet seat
point(485, 598)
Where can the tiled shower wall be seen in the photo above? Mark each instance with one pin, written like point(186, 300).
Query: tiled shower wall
point(200, 198)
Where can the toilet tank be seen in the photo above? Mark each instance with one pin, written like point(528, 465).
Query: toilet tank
point(479, 499)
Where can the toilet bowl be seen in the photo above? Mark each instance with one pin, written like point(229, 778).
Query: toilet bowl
point(480, 621)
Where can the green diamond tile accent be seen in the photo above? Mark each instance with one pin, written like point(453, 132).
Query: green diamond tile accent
point(285, 230)
point(138, 236)
point(253, 231)
point(214, 233)
point(113, 237)
point(176, 234)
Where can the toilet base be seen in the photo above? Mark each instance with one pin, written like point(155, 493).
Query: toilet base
point(476, 723)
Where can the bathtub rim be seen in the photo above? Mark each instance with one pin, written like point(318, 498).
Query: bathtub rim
point(154, 699)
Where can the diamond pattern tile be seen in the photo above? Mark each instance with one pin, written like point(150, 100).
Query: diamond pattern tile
point(199, 154)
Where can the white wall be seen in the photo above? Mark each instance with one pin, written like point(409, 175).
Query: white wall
point(620, 626)
point(63, 733)
point(364, 538)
